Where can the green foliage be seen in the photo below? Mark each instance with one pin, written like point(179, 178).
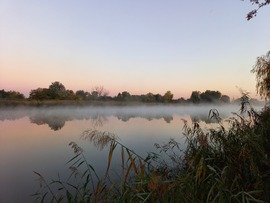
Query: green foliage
point(228, 165)
point(208, 96)
point(11, 95)
point(124, 96)
point(39, 94)
point(225, 99)
point(262, 70)
point(57, 90)
point(82, 95)
point(195, 97)
point(167, 97)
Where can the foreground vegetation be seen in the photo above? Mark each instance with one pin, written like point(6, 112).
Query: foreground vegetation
point(221, 164)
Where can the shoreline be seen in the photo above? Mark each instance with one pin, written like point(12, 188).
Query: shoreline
point(83, 103)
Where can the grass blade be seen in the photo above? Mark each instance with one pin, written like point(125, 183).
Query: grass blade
point(112, 147)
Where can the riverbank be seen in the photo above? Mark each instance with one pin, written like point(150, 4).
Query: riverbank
point(44, 103)
point(48, 103)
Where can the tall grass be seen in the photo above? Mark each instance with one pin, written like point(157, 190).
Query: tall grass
point(219, 164)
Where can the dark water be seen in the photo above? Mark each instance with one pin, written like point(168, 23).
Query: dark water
point(36, 139)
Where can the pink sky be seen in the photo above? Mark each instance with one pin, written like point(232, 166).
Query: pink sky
point(134, 46)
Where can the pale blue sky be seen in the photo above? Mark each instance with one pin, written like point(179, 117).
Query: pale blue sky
point(138, 46)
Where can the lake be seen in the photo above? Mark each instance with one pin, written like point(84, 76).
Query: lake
point(37, 138)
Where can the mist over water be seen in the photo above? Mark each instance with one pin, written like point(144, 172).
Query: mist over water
point(47, 115)
point(37, 138)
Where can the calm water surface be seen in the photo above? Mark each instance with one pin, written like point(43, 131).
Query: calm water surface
point(36, 139)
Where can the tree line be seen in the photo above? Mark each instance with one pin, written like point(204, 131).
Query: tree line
point(57, 91)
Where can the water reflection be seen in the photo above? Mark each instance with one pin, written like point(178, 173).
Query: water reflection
point(56, 117)
point(54, 122)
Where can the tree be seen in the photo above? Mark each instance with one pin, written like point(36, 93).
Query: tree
point(259, 5)
point(69, 95)
point(82, 95)
point(57, 90)
point(158, 97)
point(262, 71)
point(168, 96)
point(149, 97)
point(210, 96)
point(225, 99)
point(100, 91)
point(195, 97)
point(39, 94)
point(94, 95)
point(12, 95)
point(125, 96)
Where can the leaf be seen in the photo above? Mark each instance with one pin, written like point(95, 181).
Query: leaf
point(37, 173)
point(85, 172)
point(76, 188)
point(92, 168)
point(80, 164)
point(69, 196)
point(123, 161)
point(112, 147)
point(43, 197)
point(142, 168)
point(73, 158)
point(127, 173)
point(86, 182)
point(132, 161)
point(200, 173)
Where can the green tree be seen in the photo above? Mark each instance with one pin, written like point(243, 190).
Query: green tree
point(94, 95)
point(225, 99)
point(126, 96)
point(82, 95)
point(262, 71)
point(210, 96)
point(11, 95)
point(57, 90)
point(195, 97)
point(158, 97)
point(69, 95)
point(168, 96)
point(39, 94)
point(149, 97)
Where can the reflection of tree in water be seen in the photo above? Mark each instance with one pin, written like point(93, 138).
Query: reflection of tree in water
point(98, 121)
point(126, 117)
point(54, 122)
point(198, 118)
point(57, 122)
point(168, 119)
